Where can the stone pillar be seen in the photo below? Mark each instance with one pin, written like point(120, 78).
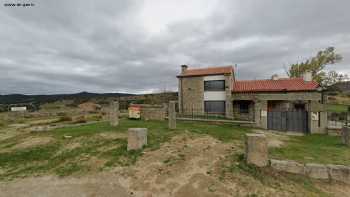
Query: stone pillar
point(172, 115)
point(228, 96)
point(346, 135)
point(180, 96)
point(317, 116)
point(257, 113)
point(137, 138)
point(256, 150)
point(114, 113)
point(263, 114)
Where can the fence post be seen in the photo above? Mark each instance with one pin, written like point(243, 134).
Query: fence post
point(114, 113)
point(172, 115)
point(256, 149)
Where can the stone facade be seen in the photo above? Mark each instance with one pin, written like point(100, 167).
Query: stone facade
point(228, 92)
point(312, 100)
point(191, 95)
point(249, 116)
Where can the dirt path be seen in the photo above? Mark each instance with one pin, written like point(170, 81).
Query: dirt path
point(188, 165)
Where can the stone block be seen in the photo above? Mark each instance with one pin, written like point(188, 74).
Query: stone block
point(346, 135)
point(137, 138)
point(172, 115)
point(114, 113)
point(316, 171)
point(287, 166)
point(256, 149)
point(339, 173)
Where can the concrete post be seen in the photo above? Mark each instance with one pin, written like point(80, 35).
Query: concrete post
point(263, 114)
point(256, 150)
point(114, 113)
point(228, 97)
point(137, 138)
point(346, 135)
point(172, 115)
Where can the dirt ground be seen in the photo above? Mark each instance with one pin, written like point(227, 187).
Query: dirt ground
point(188, 165)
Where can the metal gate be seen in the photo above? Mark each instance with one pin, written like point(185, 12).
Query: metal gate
point(288, 121)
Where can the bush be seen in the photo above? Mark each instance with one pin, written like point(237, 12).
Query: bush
point(65, 119)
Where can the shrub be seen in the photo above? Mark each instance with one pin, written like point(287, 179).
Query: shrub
point(65, 119)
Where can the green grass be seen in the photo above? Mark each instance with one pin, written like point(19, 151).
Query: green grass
point(314, 149)
point(337, 108)
point(55, 158)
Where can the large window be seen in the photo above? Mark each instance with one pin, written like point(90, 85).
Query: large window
point(216, 85)
point(214, 107)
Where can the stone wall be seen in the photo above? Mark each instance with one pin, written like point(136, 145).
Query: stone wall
point(153, 112)
point(290, 96)
point(192, 93)
point(317, 171)
point(243, 116)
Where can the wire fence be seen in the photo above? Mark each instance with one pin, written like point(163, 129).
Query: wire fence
point(199, 113)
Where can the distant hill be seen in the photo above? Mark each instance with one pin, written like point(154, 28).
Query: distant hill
point(20, 98)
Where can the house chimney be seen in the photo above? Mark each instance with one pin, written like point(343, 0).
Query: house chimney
point(307, 76)
point(183, 68)
point(274, 77)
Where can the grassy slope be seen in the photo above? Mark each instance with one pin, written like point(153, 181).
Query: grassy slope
point(314, 148)
point(54, 157)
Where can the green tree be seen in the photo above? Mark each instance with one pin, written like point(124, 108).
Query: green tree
point(316, 65)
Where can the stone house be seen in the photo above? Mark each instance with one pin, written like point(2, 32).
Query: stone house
point(287, 104)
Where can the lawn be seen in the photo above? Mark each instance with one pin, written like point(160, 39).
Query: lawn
point(315, 148)
point(338, 108)
point(71, 148)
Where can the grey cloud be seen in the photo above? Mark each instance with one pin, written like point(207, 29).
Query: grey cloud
point(71, 46)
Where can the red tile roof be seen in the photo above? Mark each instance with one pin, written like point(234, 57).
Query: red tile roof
point(286, 84)
point(207, 71)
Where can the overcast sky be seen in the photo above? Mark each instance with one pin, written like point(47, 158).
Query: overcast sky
point(68, 46)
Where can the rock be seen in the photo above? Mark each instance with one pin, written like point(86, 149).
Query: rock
point(67, 136)
point(137, 138)
point(316, 171)
point(339, 173)
point(287, 166)
point(256, 149)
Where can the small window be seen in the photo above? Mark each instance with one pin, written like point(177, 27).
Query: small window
point(214, 107)
point(216, 85)
point(244, 107)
